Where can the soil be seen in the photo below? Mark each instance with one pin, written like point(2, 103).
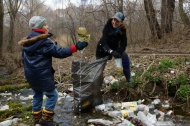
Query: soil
point(178, 43)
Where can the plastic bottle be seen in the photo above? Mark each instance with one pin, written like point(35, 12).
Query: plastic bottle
point(144, 119)
point(151, 108)
point(160, 115)
point(121, 113)
point(129, 104)
point(167, 116)
point(141, 107)
point(125, 123)
point(117, 106)
point(156, 102)
point(166, 104)
point(164, 123)
point(104, 107)
point(9, 122)
point(6, 123)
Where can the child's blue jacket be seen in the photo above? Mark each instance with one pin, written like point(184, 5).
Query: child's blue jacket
point(37, 60)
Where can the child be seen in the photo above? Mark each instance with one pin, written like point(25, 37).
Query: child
point(37, 55)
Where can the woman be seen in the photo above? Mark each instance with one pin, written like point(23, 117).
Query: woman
point(113, 42)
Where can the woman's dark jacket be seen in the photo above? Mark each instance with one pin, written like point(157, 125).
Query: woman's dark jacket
point(37, 60)
point(111, 40)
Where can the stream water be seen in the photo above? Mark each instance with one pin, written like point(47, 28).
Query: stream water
point(64, 110)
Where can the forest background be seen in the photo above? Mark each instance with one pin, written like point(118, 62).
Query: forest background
point(158, 34)
point(153, 27)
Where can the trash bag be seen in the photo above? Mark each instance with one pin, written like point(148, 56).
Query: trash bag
point(87, 78)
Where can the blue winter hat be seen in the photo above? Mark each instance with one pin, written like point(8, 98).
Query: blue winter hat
point(37, 22)
point(119, 16)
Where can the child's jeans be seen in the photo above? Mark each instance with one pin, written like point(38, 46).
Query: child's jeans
point(52, 97)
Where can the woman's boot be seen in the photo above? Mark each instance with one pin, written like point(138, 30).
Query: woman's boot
point(37, 116)
point(47, 118)
point(127, 74)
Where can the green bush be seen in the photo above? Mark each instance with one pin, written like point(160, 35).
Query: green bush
point(165, 64)
point(182, 80)
point(153, 78)
point(183, 92)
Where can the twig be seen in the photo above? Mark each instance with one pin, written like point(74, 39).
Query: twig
point(147, 69)
point(143, 75)
point(153, 88)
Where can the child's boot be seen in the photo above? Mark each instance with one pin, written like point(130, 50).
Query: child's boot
point(37, 116)
point(47, 118)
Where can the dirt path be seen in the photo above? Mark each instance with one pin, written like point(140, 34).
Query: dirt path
point(159, 53)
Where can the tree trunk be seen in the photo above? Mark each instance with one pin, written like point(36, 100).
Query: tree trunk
point(106, 9)
point(1, 26)
point(151, 16)
point(13, 7)
point(167, 10)
point(120, 3)
point(183, 15)
point(11, 36)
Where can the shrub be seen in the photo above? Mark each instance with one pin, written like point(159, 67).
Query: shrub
point(183, 92)
point(165, 64)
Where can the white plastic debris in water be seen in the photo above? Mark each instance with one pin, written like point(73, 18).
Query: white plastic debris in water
point(141, 107)
point(125, 123)
point(4, 108)
point(100, 122)
point(166, 104)
point(10, 98)
point(101, 107)
point(156, 102)
point(26, 98)
point(152, 118)
point(164, 123)
point(121, 113)
point(104, 107)
point(158, 112)
point(60, 94)
point(144, 119)
point(169, 112)
point(9, 122)
point(128, 104)
point(6, 94)
point(140, 101)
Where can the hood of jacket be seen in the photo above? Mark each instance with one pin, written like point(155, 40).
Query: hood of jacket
point(32, 42)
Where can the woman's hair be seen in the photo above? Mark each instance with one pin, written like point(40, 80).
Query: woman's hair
point(123, 28)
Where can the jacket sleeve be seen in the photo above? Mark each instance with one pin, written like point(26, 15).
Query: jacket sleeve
point(56, 51)
point(104, 40)
point(123, 43)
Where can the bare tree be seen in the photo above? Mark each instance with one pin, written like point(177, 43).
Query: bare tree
point(13, 7)
point(1, 25)
point(183, 15)
point(151, 16)
point(167, 10)
point(106, 8)
point(120, 4)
